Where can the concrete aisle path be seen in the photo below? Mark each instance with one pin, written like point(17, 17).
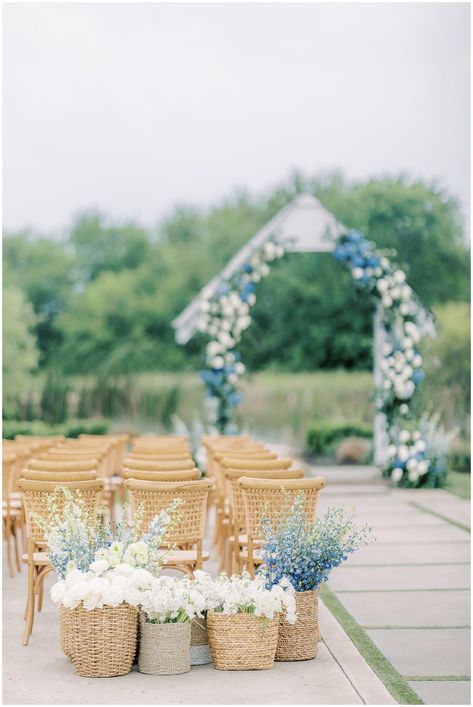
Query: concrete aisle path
point(410, 590)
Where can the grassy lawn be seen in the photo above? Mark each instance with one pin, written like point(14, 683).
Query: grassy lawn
point(459, 484)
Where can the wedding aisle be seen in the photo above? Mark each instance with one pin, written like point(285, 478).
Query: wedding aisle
point(410, 590)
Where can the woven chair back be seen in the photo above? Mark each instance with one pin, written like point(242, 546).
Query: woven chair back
point(35, 496)
point(252, 464)
point(268, 498)
point(58, 476)
point(59, 465)
point(158, 465)
point(158, 495)
point(235, 494)
point(183, 475)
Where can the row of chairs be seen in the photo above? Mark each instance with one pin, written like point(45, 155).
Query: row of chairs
point(250, 481)
point(243, 477)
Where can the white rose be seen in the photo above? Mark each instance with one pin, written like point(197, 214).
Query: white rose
point(384, 262)
point(74, 577)
point(405, 436)
point(269, 250)
point(124, 569)
point(99, 566)
point(423, 467)
point(395, 292)
point(232, 378)
point(396, 474)
point(244, 308)
point(417, 361)
point(399, 276)
point(387, 349)
point(240, 368)
point(78, 591)
point(420, 445)
point(265, 270)
point(392, 449)
point(213, 348)
point(251, 299)
point(404, 409)
point(413, 475)
point(382, 285)
point(57, 591)
point(411, 464)
point(387, 301)
point(204, 306)
point(387, 385)
point(416, 435)
point(217, 362)
point(404, 308)
point(403, 453)
point(132, 596)
point(357, 273)
point(93, 601)
point(113, 596)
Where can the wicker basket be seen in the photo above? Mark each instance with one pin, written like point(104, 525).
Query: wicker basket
point(199, 650)
point(104, 640)
point(299, 641)
point(164, 648)
point(65, 630)
point(242, 641)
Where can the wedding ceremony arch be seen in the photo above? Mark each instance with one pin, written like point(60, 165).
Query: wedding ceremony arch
point(222, 309)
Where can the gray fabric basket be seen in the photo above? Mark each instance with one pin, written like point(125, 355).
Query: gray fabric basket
point(164, 648)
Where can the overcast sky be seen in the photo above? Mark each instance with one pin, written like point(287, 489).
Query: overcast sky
point(133, 108)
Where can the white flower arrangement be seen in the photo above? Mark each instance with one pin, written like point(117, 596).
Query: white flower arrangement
point(241, 594)
point(407, 460)
point(101, 586)
point(173, 600)
point(224, 316)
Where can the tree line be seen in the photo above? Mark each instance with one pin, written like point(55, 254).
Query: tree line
point(100, 299)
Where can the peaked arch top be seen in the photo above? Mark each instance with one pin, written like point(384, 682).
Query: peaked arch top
point(304, 225)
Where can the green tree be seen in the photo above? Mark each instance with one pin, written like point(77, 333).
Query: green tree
point(43, 269)
point(101, 245)
point(20, 355)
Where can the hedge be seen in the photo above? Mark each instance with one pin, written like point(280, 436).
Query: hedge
point(321, 438)
point(70, 428)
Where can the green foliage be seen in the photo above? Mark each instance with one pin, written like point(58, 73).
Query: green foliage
point(321, 438)
point(105, 294)
point(54, 397)
point(72, 428)
point(20, 355)
point(447, 384)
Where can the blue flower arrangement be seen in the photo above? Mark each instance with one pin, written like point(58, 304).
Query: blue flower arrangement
point(305, 552)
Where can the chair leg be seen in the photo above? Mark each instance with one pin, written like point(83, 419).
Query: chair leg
point(30, 603)
point(15, 545)
point(230, 555)
point(40, 595)
point(7, 537)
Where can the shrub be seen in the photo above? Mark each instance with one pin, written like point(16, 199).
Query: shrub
point(71, 428)
point(321, 438)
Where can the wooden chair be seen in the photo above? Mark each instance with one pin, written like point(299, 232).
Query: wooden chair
point(266, 498)
point(80, 465)
point(58, 476)
point(189, 529)
point(35, 498)
point(238, 538)
point(157, 465)
point(143, 475)
point(10, 512)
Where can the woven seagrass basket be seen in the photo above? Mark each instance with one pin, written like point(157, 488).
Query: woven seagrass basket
point(65, 630)
point(299, 641)
point(242, 641)
point(104, 640)
point(199, 650)
point(164, 648)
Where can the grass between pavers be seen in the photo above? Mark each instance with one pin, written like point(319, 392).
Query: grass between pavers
point(447, 519)
point(394, 681)
point(441, 678)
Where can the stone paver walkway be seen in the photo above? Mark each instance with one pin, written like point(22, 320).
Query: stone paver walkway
point(410, 589)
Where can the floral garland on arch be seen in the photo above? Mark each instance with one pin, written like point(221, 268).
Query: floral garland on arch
point(396, 396)
point(224, 316)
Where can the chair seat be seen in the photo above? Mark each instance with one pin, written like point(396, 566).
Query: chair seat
point(14, 503)
point(184, 557)
point(39, 558)
point(243, 540)
point(257, 559)
point(15, 494)
point(12, 512)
